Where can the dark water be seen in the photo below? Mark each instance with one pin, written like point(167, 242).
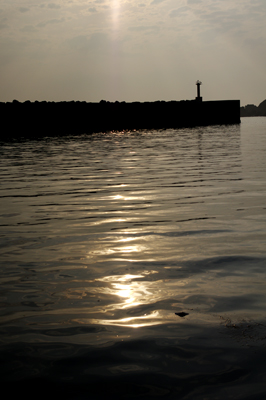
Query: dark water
point(104, 239)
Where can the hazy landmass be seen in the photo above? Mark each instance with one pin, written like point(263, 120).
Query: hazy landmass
point(250, 110)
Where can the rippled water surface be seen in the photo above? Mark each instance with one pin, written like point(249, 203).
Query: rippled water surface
point(105, 238)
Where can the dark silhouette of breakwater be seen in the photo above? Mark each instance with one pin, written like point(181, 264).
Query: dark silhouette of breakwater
point(34, 119)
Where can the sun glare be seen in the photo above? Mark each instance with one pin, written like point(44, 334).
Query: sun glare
point(115, 12)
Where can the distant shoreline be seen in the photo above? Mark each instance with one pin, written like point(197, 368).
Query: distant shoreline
point(250, 110)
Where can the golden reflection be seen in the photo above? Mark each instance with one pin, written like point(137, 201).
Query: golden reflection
point(108, 220)
point(133, 322)
point(138, 299)
point(136, 196)
point(128, 239)
point(125, 288)
point(130, 249)
point(126, 249)
point(133, 300)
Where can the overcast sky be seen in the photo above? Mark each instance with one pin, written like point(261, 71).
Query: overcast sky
point(137, 50)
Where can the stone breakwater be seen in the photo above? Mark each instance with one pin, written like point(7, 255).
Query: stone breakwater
point(50, 118)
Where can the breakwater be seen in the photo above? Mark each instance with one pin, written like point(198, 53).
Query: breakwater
point(59, 118)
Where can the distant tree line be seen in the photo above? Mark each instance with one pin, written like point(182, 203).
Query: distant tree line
point(250, 110)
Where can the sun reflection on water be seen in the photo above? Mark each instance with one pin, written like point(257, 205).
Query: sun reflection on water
point(134, 300)
point(134, 322)
point(130, 291)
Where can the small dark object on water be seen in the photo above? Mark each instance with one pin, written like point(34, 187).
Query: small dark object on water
point(181, 314)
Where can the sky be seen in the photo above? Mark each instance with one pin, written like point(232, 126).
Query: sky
point(137, 50)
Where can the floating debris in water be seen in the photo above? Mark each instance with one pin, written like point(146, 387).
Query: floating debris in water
point(181, 314)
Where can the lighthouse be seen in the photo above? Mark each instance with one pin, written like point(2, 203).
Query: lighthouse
point(198, 98)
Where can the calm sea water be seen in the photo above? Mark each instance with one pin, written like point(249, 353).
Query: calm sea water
point(105, 238)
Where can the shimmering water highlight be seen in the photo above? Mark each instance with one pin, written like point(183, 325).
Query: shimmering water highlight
point(105, 238)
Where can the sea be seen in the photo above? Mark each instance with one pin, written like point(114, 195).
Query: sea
point(133, 264)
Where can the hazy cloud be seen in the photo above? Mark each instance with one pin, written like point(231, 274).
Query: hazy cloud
point(23, 9)
point(28, 28)
point(3, 25)
point(80, 42)
point(53, 5)
point(97, 42)
point(178, 11)
point(157, 1)
point(51, 21)
point(142, 28)
point(194, 1)
point(141, 41)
